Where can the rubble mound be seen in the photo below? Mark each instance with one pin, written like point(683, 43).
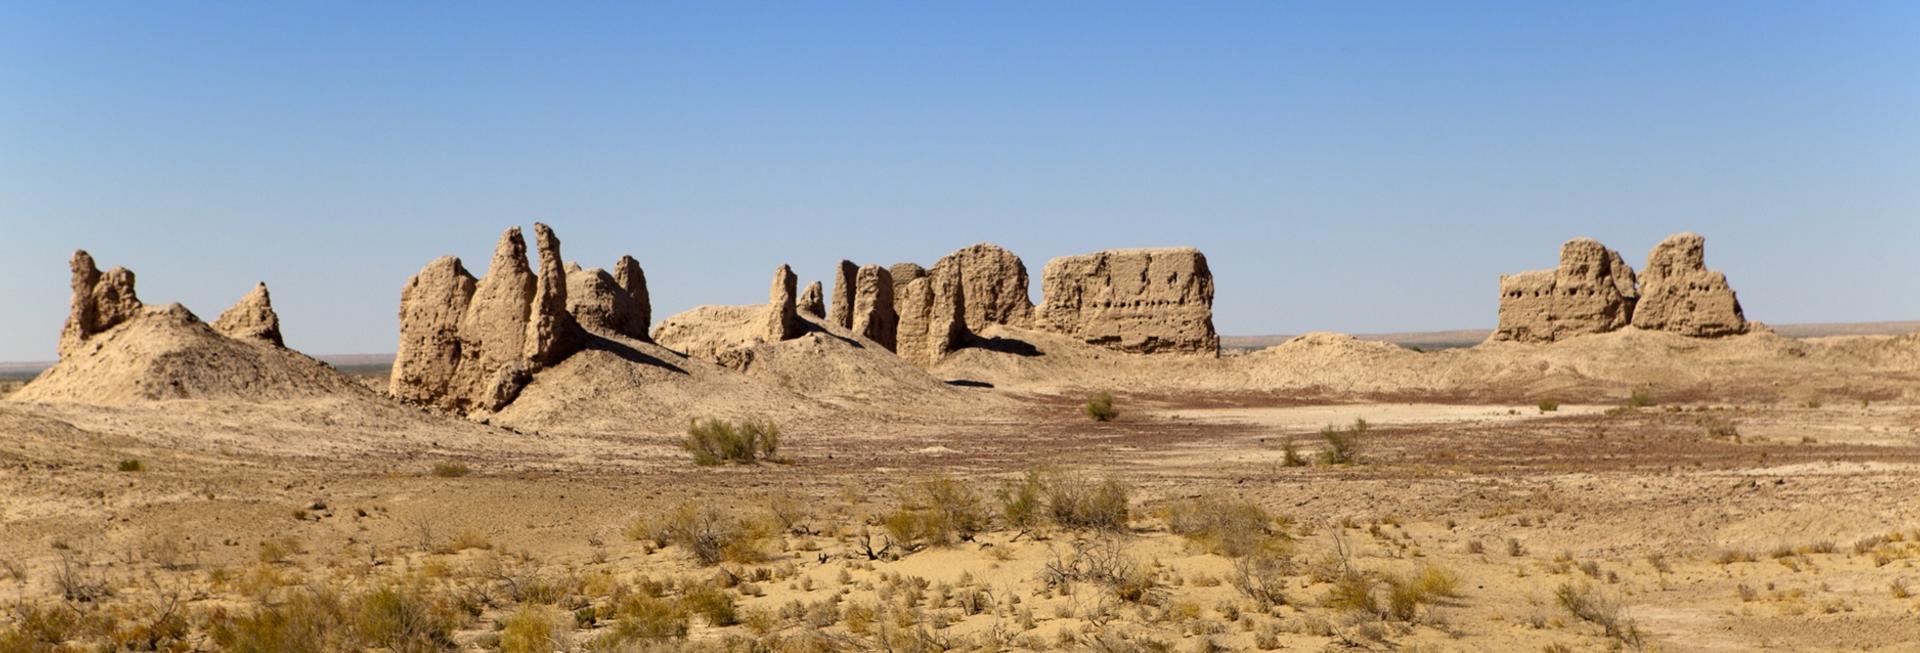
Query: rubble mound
point(165, 352)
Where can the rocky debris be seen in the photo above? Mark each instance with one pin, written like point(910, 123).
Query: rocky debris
point(431, 308)
point(552, 333)
point(252, 318)
point(1592, 291)
point(873, 312)
point(628, 275)
point(932, 317)
point(812, 301)
point(783, 317)
point(994, 282)
point(100, 301)
point(841, 312)
point(1135, 300)
point(598, 302)
point(1680, 295)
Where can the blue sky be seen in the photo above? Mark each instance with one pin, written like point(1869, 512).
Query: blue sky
point(1346, 166)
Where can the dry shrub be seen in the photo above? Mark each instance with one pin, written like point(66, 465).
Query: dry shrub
point(451, 470)
point(1099, 407)
point(713, 604)
point(715, 441)
point(535, 629)
point(1077, 502)
point(1407, 594)
point(1102, 561)
point(1587, 604)
point(1021, 502)
point(1226, 527)
point(939, 512)
point(1262, 576)
point(643, 618)
point(399, 618)
point(1343, 444)
point(711, 536)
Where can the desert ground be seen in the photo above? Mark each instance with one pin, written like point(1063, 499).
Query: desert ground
point(1626, 491)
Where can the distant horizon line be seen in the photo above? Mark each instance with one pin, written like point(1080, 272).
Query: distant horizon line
point(1791, 330)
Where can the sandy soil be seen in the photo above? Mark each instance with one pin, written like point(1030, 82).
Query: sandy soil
point(1760, 499)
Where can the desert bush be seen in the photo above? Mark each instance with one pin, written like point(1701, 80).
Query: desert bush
point(1099, 407)
point(1290, 454)
point(1077, 502)
point(1586, 604)
point(471, 539)
point(1020, 502)
point(715, 441)
point(450, 470)
point(31, 628)
point(1407, 594)
point(1221, 526)
point(535, 629)
point(308, 621)
point(1549, 405)
point(712, 604)
point(938, 512)
point(132, 465)
point(402, 618)
point(1102, 560)
point(711, 536)
point(1723, 429)
point(1641, 397)
point(278, 550)
point(399, 618)
point(1352, 591)
point(644, 617)
point(1262, 576)
point(1343, 444)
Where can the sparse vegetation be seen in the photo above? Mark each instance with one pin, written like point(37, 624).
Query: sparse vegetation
point(940, 511)
point(132, 465)
point(711, 536)
point(1343, 444)
point(1584, 602)
point(1226, 527)
point(1548, 406)
point(1641, 397)
point(715, 441)
point(1290, 454)
point(1076, 502)
point(450, 470)
point(1099, 407)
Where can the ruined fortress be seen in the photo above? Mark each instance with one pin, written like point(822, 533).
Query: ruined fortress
point(1594, 291)
point(470, 345)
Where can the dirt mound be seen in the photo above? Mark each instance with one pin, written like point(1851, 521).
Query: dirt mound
point(165, 352)
point(619, 385)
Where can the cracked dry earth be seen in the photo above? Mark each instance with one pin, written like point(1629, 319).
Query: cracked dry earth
point(1710, 524)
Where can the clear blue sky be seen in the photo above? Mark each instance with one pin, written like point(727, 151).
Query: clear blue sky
point(1355, 166)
